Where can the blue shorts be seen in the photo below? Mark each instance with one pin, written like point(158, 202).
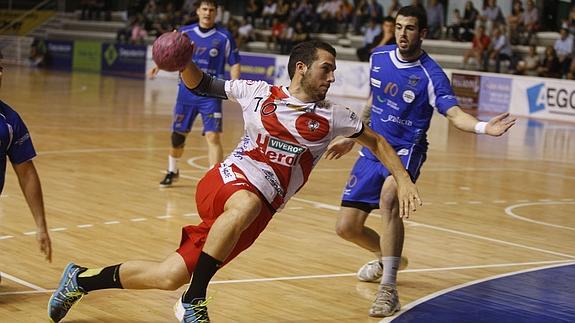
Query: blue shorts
point(185, 114)
point(363, 188)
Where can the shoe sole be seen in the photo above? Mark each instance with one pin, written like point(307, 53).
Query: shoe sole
point(403, 263)
point(397, 308)
point(59, 284)
point(179, 310)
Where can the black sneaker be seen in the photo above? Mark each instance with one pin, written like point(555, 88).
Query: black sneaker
point(170, 178)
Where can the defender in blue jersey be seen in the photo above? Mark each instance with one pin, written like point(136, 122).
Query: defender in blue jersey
point(16, 145)
point(214, 47)
point(406, 87)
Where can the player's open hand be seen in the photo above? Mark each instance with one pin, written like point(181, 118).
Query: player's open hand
point(409, 199)
point(153, 72)
point(339, 148)
point(45, 244)
point(499, 125)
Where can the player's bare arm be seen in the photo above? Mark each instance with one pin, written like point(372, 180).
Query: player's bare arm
point(497, 126)
point(407, 192)
point(235, 71)
point(32, 190)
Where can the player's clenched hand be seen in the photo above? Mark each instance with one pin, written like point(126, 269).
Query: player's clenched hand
point(339, 148)
point(152, 72)
point(499, 125)
point(408, 197)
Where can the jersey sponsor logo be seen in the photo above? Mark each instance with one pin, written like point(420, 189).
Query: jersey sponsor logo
point(380, 99)
point(312, 127)
point(403, 152)
point(352, 181)
point(376, 69)
point(214, 52)
point(268, 108)
point(391, 88)
point(374, 82)
point(22, 139)
point(395, 119)
point(279, 151)
point(413, 80)
point(408, 96)
point(227, 174)
point(250, 82)
point(217, 115)
point(377, 110)
point(392, 105)
point(271, 178)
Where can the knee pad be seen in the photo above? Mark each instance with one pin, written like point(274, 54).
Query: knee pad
point(178, 140)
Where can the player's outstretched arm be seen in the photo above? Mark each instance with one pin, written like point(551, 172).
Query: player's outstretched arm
point(407, 193)
point(497, 126)
point(192, 75)
point(30, 185)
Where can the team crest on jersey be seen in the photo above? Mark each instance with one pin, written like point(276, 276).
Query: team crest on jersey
point(312, 127)
point(413, 80)
point(250, 82)
point(214, 52)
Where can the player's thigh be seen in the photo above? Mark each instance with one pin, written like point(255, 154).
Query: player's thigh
point(211, 112)
point(184, 116)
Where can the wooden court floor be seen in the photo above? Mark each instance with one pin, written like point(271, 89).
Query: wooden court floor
point(492, 206)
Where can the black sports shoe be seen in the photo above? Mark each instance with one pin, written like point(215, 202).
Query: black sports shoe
point(170, 178)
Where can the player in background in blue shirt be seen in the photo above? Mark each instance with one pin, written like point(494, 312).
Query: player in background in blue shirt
point(16, 145)
point(406, 86)
point(214, 47)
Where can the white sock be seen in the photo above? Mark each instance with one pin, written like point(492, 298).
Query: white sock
point(390, 268)
point(173, 164)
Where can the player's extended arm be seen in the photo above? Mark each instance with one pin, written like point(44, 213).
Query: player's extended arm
point(202, 83)
point(497, 126)
point(407, 193)
point(235, 71)
point(30, 185)
point(342, 146)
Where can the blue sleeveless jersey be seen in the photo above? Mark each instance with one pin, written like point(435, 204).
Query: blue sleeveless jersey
point(15, 140)
point(213, 49)
point(404, 95)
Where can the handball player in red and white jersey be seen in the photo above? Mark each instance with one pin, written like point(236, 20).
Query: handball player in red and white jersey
point(287, 130)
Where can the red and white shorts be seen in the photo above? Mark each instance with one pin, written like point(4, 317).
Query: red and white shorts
point(212, 192)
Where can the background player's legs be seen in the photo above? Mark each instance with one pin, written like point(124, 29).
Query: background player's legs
point(215, 150)
point(178, 140)
point(351, 226)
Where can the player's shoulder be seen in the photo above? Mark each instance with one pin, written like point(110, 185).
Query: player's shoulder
point(188, 28)
point(7, 113)
point(383, 49)
point(223, 30)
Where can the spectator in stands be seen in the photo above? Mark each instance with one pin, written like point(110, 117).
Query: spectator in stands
point(393, 8)
point(268, 13)
point(344, 14)
point(252, 12)
point(529, 65)
point(304, 13)
point(417, 3)
point(283, 9)
point(479, 48)
point(372, 30)
point(386, 37)
point(124, 34)
point(278, 28)
point(492, 16)
point(139, 34)
point(500, 51)
point(323, 17)
point(455, 28)
point(470, 15)
point(37, 52)
point(360, 16)
point(514, 22)
point(374, 10)
point(550, 67)
point(435, 19)
point(91, 9)
point(570, 23)
point(245, 33)
point(564, 49)
point(190, 6)
point(530, 22)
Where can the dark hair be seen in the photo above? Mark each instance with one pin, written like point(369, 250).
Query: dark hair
point(417, 12)
point(306, 52)
point(389, 19)
point(213, 3)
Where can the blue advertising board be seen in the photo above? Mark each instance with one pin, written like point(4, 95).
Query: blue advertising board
point(124, 60)
point(59, 54)
point(257, 67)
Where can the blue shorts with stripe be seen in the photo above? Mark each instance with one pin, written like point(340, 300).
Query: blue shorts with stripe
point(185, 114)
point(363, 188)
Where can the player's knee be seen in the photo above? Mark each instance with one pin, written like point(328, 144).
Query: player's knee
point(170, 283)
point(213, 138)
point(348, 230)
point(178, 140)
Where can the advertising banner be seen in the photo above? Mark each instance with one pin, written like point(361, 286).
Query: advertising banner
point(544, 98)
point(124, 60)
point(466, 88)
point(495, 93)
point(59, 54)
point(87, 56)
point(257, 67)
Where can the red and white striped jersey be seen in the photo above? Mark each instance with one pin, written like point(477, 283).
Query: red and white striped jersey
point(284, 138)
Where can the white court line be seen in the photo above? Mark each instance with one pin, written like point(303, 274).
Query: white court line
point(317, 204)
point(23, 282)
point(112, 222)
point(58, 229)
point(303, 277)
point(105, 150)
point(509, 211)
point(450, 289)
point(493, 240)
point(85, 225)
point(163, 217)
point(192, 162)
point(6, 237)
point(138, 219)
